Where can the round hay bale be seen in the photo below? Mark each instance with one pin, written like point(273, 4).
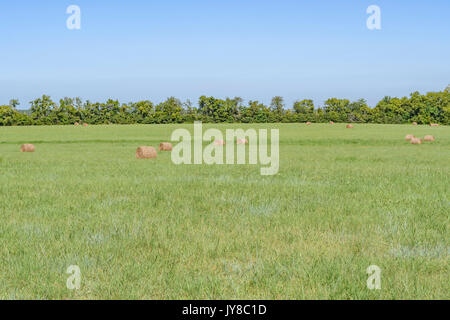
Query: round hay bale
point(85, 124)
point(165, 146)
point(409, 137)
point(416, 141)
point(414, 123)
point(242, 141)
point(27, 148)
point(146, 153)
point(308, 123)
point(76, 124)
point(331, 122)
point(434, 124)
point(349, 126)
point(219, 143)
point(428, 138)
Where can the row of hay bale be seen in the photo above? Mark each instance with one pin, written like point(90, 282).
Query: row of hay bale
point(146, 152)
point(143, 152)
point(414, 140)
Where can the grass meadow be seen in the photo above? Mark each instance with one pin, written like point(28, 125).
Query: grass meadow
point(344, 199)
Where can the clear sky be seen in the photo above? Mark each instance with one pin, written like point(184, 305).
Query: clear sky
point(144, 49)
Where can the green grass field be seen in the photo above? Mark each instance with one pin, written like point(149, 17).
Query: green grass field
point(344, 199)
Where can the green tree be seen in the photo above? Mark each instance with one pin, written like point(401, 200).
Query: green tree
point(336, 109)
point(9, 116)
point(217, 110)
point(277, 109)
point(422, 108)
point(304, 110)
point(41, 110)
point(256, 112)
point(359, 111)
point(14, 103)
point(169, 111)
point(144, 112)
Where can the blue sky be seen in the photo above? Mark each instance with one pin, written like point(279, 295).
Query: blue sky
point(133, 50)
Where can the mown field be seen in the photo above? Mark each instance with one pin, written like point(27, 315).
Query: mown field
point(344, 199)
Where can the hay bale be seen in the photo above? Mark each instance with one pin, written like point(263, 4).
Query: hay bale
point(76, 124)
point(27, 148)
point(308, 123)
point(165, 146)
point(331, 122)
point(434, 124)
point(416, 141)
point(349, 126)
point(219, 143)
point(146, 153)
point(428, 138)
point(242, 141)
point(414, 123)
point(85, 124)
point(409, 137)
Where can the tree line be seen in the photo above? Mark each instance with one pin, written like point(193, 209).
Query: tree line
point(421, 108)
